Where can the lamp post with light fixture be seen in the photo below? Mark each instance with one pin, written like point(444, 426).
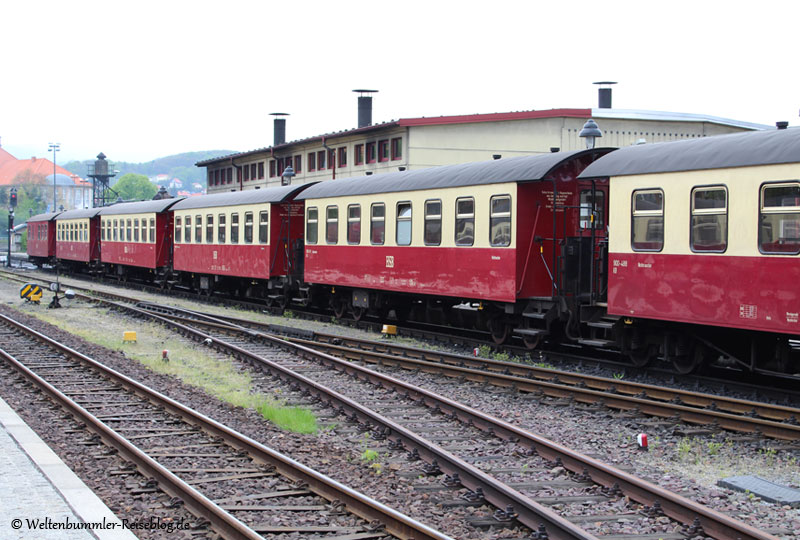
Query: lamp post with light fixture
point(12, 203)
point(590, 132)
point(54, 147)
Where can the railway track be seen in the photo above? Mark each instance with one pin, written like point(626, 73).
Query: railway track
point(233, 482)
point(515, 453)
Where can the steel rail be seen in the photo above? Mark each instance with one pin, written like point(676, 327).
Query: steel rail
point(714, 523)
point(357, 503)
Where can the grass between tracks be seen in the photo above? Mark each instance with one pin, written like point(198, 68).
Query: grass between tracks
point(192, 364)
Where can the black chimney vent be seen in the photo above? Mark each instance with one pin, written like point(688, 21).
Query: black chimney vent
point(279, 130)
point(364, 107)
point(782, 125)
point(554, 149)
point(604, 94)
point(497, 156)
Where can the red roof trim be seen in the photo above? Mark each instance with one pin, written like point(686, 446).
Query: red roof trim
point(496, 117)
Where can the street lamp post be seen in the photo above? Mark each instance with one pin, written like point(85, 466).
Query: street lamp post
point(54, 147)
point(12, 202)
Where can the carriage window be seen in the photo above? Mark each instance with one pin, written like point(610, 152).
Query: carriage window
point(136, 230)
point(500, 221)
point(248, 228)
point(128, 230)
point(234, 228)
point(177, 229)
point(709, 219)
point(198, 229)
point(647, 220)
point(354, 224)
point(465, 221)
point(332, 224)
point(187, 229)
point(403, 224)
point(377, 224)
point(144, 230)
point(433, 223)
point(311, 225)
point(209, 229)
point(103, 226)
point(221, 229)
point(779, 218)
point(263, 227)
point(592, 205)
point(152, 230)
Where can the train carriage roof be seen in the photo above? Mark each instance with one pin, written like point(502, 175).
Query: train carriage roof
point(140, 207)
point(516, 169)
point(42, 217)
point(78, 214)
point(718, 152)
point(236, 198)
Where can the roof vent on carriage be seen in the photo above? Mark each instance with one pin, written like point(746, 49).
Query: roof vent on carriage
point(364, 107)
point(782, 125)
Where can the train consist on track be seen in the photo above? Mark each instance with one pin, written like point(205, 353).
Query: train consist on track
point(686, 250)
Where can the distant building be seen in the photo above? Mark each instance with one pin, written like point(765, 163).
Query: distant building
point(72, 191)
point(416, 143)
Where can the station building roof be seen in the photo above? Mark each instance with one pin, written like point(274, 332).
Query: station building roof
point(516, 169)
point(721, 151)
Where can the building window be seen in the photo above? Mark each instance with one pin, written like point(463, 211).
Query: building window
point(371, 152)
point(354, 224)
point(209, 229)
point(321, 160)
point(383, 150)
point(272, 168)
point(312, 162)
point(260, 170)
point(647, 220)
point(332, 224)
point(235, 228)
point(465, 221)
point(246, 169)
point(248, 228)
point(433, 223)
point(500, 220)
point(709, 219)
point(358, 150)
point(198, 229)
point(311, 225)
point(397, 148)
point(253, 171)
point(298, 164)
point(343, 156)
point(377, 224)
point(263, 227)
point(403, 236)
point(221, 229)
point(331, 158)
point(210, 178)
point(779, 217)
point(230, 175)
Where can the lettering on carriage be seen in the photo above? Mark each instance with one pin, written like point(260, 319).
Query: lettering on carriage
point(792, 317)
point(390, 261)
point(495, 258)
point(215, 255)
point(644, 265)
point(748, 311)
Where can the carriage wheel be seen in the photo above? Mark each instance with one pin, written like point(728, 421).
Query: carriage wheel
point(339, 308)
point(531, 342)
point(690, 362)
point(499, 330)
point(641, 357)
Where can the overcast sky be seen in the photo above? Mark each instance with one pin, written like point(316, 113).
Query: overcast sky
point(146, 79)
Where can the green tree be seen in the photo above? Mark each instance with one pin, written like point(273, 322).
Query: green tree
point(135, 187)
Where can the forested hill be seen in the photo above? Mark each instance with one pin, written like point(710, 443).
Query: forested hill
point(180, 166)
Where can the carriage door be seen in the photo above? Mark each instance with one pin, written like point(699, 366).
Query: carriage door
point(593, 229)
